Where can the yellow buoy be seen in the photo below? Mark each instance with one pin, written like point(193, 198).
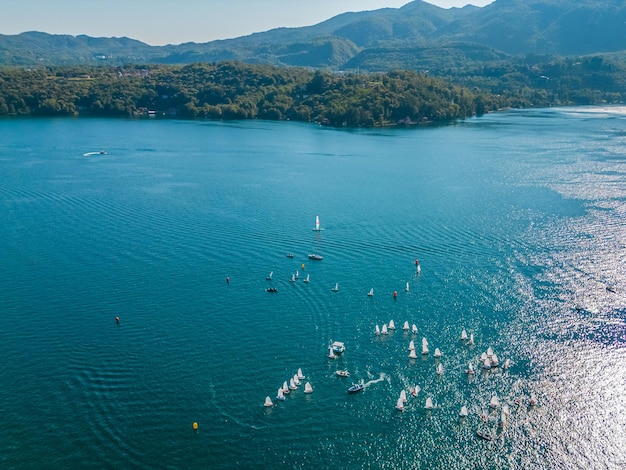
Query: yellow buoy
point(195, 426)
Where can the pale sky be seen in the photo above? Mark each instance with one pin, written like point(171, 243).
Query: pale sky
point(159, 22)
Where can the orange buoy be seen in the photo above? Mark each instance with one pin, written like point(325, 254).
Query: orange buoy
point(195, 426)
point(417, 262)
point(117, 320)
point(303, 266)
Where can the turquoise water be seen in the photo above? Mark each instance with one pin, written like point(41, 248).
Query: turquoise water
point(517, 218)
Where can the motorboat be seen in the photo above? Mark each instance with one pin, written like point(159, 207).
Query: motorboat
point(271, 289)
point(356, 388)
point(289, 255)
point(316, 257)
point(484, 435)
point(342, 373)
point(337, 347)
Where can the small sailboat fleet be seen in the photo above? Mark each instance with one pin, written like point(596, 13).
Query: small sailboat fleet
point(289, 386)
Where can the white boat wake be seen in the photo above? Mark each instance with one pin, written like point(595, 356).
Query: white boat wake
point(379, 379)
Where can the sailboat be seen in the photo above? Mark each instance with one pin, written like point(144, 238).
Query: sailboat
point(429, 404)
point(300, 375)
point(418, 269)
point(297, 274)
point(280, 395)
point(414, 329)
point(506, 364)
point(317, 224)
point(437, 353)
point(371, 292)
point(292, 384)
point(293, 278)
point(400, 404)
point(494, 403)
point(463, 413)
point(411, 345)
point(377, 330)
point(471, 340)
point(470, 369)
point(424, 346)
point(412, 354)
point(336, 288)
point(407, 287)
point(463, 335)
point(269, 278)
point(385, 329)
point(285, 388)
point(268, 401)
point(439, 369)
point(308, 388)
point(405, 327)
point(296, 380)
point(403, 396)
point(392, 325)
point(307, 278)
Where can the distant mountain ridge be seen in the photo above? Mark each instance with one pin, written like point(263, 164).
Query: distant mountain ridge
point(417, 36)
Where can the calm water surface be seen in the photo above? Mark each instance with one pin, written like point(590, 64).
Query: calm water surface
point(518, 220)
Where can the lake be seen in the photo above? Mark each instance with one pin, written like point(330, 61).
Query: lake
point(120, 330)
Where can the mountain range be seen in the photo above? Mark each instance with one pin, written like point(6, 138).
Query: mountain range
point(418, 36)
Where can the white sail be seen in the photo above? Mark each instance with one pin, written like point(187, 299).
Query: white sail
point(371, 292)
point(308, 388)
point(268, 401)
point(486, 363)
point(437, 352)
point(407, 287)
point(293, 278)
point(269, 277)
point(463, 411)
point(285, 387)
point(400, 404)
point(411, 345)
point(412, 354)
point(489, 352)
point(424, 346)
point(300, 375)
point(471, 340)
point(280, 395)
point(429, 404)
point(483, 356)
point(377, 330)
point(494, 360)
point(419, 269)
point(385, 329)
point(307, 278)
point(297, 274)
point(317, 224)
point(439, 369)
point(470, 368)
point(414, 329)
point(336, 288)
point(494, 403)
point(405, 327)
point(463, 335)
point(403, 396)
point(506, 364)
point(392, 325)
point(296, 380)
point(292, 384)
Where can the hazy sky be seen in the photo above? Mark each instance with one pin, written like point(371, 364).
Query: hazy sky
point(159, 22)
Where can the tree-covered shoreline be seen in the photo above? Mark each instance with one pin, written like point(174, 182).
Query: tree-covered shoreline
point(234, 90)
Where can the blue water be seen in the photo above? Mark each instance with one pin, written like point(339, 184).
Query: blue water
point(518, 220)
